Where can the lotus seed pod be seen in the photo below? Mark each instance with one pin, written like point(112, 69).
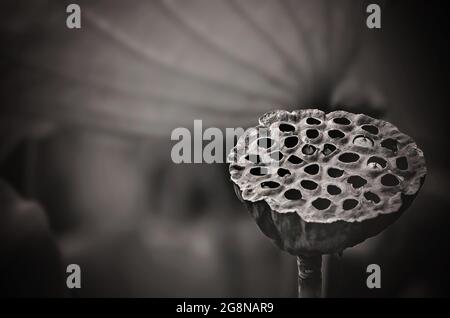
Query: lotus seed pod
point(318, 183)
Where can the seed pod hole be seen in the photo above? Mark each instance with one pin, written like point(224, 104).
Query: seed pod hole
point(253, 158)
point(237, 167)
point(336, 134)
point(348, 157)
point(328, 149)
point(265, 142)
point(371, 129)
point(269, 185)
point(312, 169)
point(335, 172)
point(321, 203)
point(309, 184)
point(285, 127)
point(349, 204)
point(283, 172)
point(259, 171)
point(295, 160)
point(363, 141)
point(333, 190)
point(291, 141)
point(309, 149)
point(376, 163)
point(356, 181)
point(372, 197)
point(402, 163)
point(293, 194)
point(313, 121)
point(389, 180)
point(341, 121)
point(390, 144)
point(277, 155)
point(312, 133)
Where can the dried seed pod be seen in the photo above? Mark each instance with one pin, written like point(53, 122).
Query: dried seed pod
point(380, 172)
point(353, 179)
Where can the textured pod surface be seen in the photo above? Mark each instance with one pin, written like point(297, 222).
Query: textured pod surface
point(317, 183)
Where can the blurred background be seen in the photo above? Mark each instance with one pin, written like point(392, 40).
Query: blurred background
point(85, 122)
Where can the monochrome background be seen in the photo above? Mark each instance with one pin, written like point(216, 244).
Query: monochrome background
point(85, 124)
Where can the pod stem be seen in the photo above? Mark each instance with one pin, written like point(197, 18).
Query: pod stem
point(309, 276)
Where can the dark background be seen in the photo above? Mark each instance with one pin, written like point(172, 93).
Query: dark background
point(85, 126)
